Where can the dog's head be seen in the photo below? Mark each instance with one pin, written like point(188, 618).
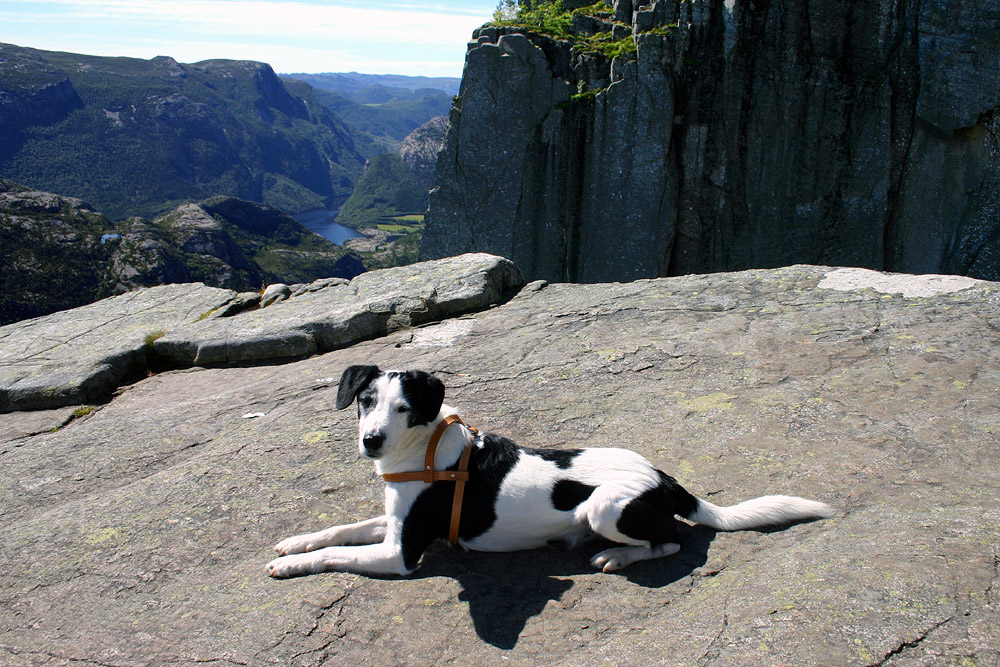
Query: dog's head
point(391, 406)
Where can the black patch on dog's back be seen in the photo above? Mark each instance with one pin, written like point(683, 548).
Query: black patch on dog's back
point(430, 516)
point(563, 458)
point(650, 515)
point(568, 493)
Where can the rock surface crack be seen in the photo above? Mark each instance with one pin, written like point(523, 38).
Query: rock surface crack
point(913, 643)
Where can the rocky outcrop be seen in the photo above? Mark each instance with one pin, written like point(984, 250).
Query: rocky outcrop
point(82, 355)
point(52, 253)
point(236, 244)
point(728, 135)
point(328, 315)
point(138, 534)
point(59, 253)
point(419, 149)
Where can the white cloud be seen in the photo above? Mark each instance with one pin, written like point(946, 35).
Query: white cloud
point(278, 19)
point(295, 35)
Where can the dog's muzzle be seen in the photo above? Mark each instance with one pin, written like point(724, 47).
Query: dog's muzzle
point(373, 443)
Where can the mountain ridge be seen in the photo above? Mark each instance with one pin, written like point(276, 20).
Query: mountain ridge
point(136, 137)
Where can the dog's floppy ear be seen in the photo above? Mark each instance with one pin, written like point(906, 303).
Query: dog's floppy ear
point(424, 393)
point(353, 380)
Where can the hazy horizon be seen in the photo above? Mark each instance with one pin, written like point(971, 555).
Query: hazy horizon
point(293, 36)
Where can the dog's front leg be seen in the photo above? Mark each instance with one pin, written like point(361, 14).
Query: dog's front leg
point(383, 558)
point(362, 532)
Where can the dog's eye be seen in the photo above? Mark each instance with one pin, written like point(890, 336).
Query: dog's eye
point(403, 408)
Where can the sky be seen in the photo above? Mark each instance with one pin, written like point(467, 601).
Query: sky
point(307, 36)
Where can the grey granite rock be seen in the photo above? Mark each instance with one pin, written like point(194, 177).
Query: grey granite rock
point(274, 293)
point(138, 534)
point(336, 313)
point(420, 148)
point(80, 355)
point(737, 135)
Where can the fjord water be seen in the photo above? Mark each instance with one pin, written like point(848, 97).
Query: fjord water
point(322, 222)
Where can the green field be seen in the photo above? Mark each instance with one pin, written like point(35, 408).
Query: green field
point(401, 224)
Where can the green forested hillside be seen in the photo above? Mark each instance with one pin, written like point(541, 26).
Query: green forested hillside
point(396, 183)
point(387, 188)
point(51, 254)
point(136, 137)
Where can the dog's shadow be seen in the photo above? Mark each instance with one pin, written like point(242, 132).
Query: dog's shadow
point(505, 590)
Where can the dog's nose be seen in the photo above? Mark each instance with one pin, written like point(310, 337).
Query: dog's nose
point(373, 442)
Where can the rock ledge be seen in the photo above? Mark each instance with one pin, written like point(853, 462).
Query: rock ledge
point(80, 355)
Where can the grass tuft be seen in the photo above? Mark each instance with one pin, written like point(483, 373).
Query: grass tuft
point(152, 337)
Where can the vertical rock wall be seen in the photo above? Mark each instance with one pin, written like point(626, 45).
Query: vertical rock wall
point(738, 134)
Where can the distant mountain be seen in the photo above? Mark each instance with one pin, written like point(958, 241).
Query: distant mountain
point(380, 88)
point(381, 128)
point(58, 252)
point(137, 137)
point(396, 183)
point(381, 109)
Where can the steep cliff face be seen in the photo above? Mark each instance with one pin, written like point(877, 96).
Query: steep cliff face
point(736, 134)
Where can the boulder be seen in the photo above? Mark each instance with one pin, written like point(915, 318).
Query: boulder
point(80, 355)
point(274, 293)
point(338, 313)
point(138, 534)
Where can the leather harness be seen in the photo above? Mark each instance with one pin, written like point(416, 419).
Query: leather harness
point(429, 474)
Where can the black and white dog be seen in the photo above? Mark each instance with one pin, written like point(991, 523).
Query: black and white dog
point(515, 498)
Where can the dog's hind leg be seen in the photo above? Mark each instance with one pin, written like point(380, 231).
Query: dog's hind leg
point(362, 532)
point(616, 558)
point(639, 522)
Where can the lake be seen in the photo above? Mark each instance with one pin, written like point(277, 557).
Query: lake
point(321, 222)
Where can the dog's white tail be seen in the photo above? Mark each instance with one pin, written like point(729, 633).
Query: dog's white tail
point(759, 512)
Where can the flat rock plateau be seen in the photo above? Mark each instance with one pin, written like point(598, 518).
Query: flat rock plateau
point(135, 531)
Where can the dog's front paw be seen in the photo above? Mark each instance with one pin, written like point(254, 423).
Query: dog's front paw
point(295, 545)
point(291, 566)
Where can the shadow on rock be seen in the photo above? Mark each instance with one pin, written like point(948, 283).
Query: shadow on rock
point(505, 590)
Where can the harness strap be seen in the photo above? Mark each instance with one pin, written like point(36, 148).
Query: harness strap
point(429, 474)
